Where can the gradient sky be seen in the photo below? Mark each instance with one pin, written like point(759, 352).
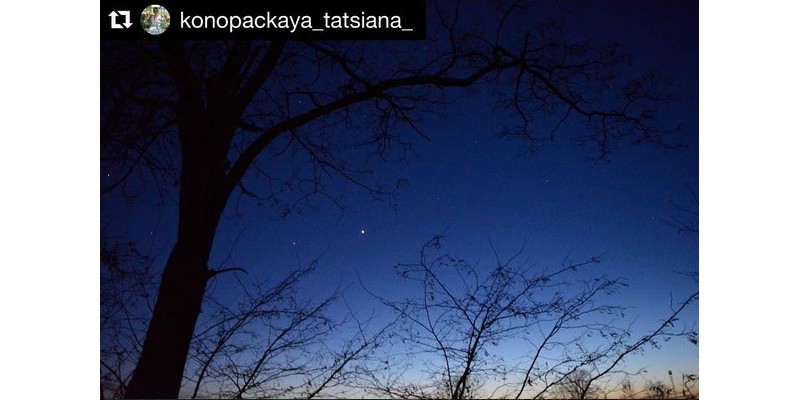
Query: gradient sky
point(481, 190)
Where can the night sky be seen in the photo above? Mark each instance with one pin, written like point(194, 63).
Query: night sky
point(486, 193)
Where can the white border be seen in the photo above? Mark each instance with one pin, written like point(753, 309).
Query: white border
point(749, 198)
point(49, 206)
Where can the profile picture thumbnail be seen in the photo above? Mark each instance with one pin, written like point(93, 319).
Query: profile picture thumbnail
point(154, 19)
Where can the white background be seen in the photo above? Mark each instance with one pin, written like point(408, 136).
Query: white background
point(749, 199)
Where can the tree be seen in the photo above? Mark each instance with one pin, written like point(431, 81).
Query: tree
point(252, 346)
point(568, 336)
point(577, 385)
point(204, 119)
point(127, 285)
point(274, 337)
point(247, 348)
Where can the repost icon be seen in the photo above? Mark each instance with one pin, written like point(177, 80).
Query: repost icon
point(116, 16)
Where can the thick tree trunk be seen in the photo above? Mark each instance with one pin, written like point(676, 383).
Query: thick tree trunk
point(206, 124)
point(159, 371)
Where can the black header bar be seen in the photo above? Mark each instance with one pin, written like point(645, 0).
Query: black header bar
point(250, 20)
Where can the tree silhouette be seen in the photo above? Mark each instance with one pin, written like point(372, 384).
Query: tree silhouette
point(209, 120)
point(269, 335)
point(126, 287)
point(576, 385)
point(563, 327)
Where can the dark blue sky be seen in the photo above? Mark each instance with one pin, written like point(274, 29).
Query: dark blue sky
point(481, 190)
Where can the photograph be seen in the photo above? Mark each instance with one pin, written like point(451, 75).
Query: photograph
point(505, 206)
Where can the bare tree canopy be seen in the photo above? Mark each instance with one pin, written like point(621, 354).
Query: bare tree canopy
point(459, 328)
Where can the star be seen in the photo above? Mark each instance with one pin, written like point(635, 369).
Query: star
point(363, 231)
